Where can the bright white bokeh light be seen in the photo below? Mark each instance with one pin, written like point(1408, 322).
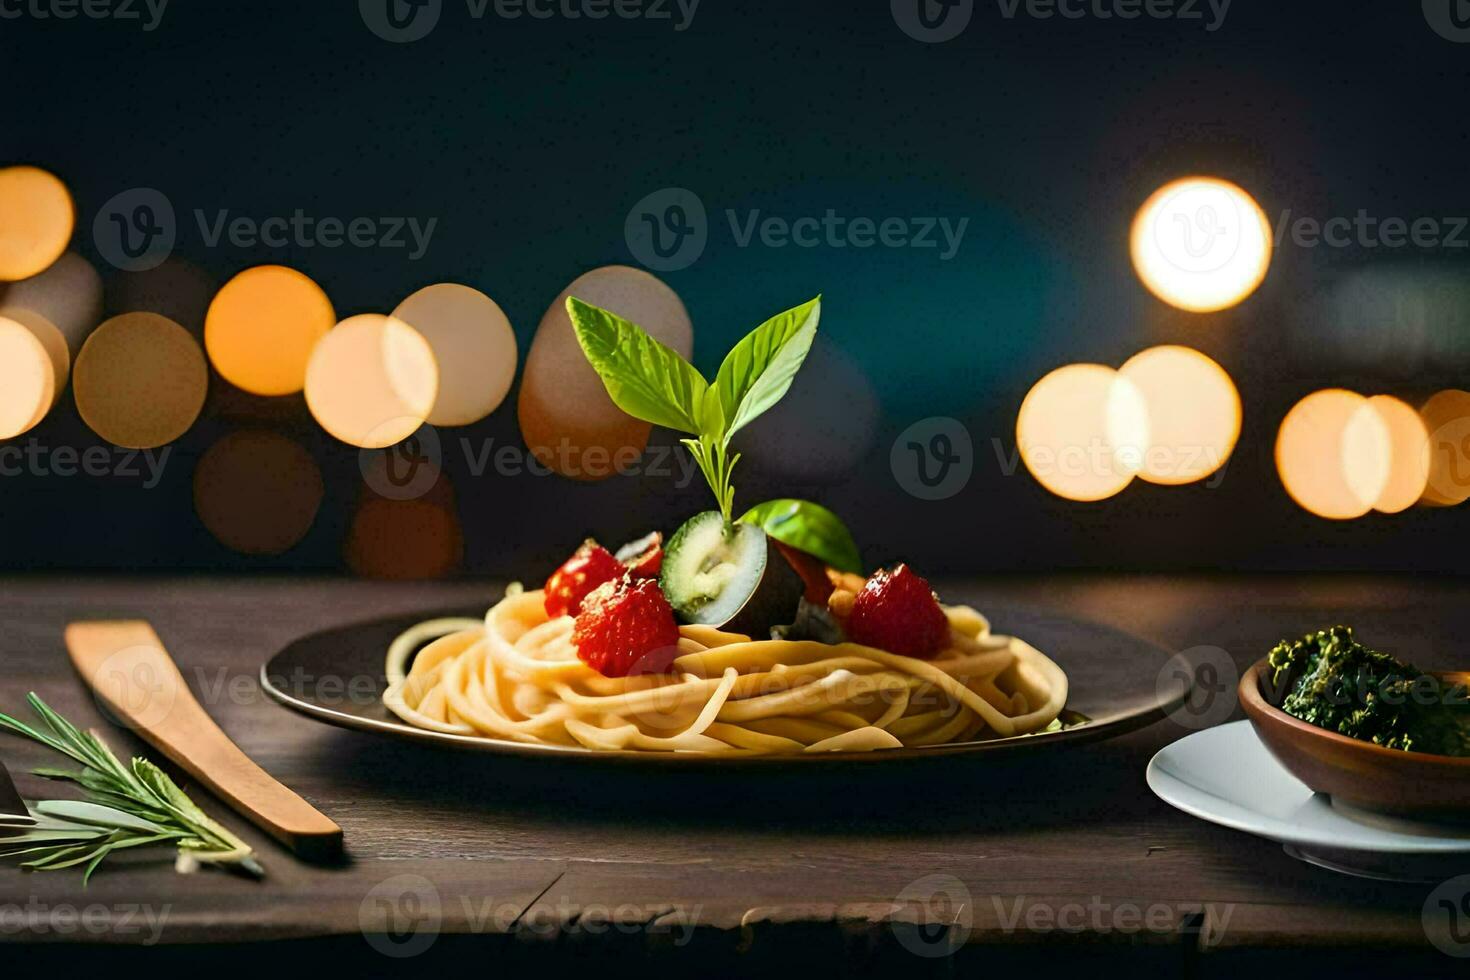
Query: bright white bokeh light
point(27, 379)
point(1367, 454)
point(1201, 244)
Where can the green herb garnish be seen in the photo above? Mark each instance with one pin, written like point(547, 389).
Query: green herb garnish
point(1332, 681)
point(654, 383)
point(126, 806)
point(808, 527)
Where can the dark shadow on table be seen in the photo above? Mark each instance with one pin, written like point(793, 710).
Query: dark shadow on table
point(1055, 788)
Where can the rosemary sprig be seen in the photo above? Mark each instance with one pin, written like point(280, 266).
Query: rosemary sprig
point(126, 806)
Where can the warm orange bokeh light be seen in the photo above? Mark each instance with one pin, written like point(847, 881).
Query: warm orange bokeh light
point(257, 492)
point(36, 221)
point(1201, 244)
point(1334, 454)
point(567, 419)
point(27, 379)
point(473, 344)
point(140, 380)
point(1192, 413)
point(371, 381)
point(405, 540)
point(1067, 427)
point(262, 326)
point(1447, 419)
point(1408, 472)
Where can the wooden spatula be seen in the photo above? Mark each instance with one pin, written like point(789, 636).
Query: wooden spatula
point(130, 672)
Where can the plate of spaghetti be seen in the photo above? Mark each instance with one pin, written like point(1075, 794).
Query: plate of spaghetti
point(762, 637)
point(517, 676)
point(525, 682)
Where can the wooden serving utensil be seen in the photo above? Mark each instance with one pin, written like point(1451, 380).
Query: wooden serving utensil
point(127, 668)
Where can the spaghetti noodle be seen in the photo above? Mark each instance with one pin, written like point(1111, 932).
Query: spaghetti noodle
point(516, 676)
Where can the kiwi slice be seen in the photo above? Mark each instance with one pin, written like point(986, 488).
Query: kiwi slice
point(730, 576)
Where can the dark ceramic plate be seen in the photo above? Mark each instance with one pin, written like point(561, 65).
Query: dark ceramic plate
point(1117, 683)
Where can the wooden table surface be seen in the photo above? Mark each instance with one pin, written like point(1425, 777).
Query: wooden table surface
point(1067, 852)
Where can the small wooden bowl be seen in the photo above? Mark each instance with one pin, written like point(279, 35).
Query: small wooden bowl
point(1361, 774)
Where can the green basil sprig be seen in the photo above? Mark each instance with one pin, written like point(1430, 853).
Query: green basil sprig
point(808, 527)
point(652, 382)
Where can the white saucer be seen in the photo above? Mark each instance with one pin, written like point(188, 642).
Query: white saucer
point(1226, 776)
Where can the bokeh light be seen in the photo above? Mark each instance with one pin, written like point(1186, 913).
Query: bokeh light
point(1447, 419)
point(262, 326)
point(567, 419)
point(1408, 473)
point(257, 492)
point(1396, 320)
point(474, 345)
point(1201, 244)
point(175, 288)
point(404, 540)
point(371, 381)
point(140, 380)
point(68, 294)
point(51, 339)
point(36, 221)
point(1067, 427)
point(1192, 411)
point(27, 379)
point(824, 427)
point(1334, 453)
point(1367, 454)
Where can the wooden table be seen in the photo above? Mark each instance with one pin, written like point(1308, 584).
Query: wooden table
point(1060, 857)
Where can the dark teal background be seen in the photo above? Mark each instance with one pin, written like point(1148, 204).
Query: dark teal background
point(529, 141)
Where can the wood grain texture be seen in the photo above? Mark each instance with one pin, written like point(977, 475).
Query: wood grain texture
point(124, 664)
point(542, 852)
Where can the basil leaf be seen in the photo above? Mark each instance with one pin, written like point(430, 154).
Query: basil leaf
point(643, 377)
point(759, 371)
point(712, 418)
point(811, 528)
